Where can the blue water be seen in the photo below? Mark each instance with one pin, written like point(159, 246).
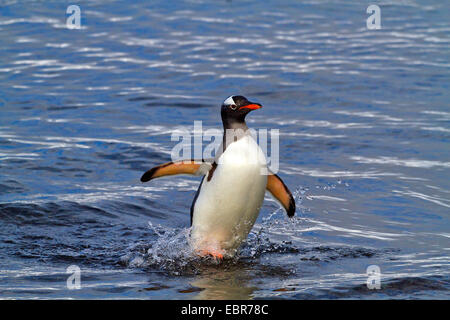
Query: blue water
point(364, 124)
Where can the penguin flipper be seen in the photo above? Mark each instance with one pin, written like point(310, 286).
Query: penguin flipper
point(194, 167)
point(279, 190)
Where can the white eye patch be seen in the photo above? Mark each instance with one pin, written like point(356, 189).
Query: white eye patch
point(229, 101)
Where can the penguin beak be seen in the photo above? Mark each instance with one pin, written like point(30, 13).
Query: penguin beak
point(251, 106)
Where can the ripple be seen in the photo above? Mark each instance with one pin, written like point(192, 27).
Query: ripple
point(368, 114)
point(412, 163)
point(338, 174)
point(24, 156)
point(434, 199)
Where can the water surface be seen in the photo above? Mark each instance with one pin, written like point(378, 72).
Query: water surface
point(364, 124)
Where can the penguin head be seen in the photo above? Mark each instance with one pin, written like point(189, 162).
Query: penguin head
point(235, 108)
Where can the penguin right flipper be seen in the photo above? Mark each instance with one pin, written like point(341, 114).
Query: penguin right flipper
point(194, 167)
point(279, 190)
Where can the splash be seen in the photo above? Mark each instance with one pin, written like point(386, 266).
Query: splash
point(173, 252)
point(262, 238)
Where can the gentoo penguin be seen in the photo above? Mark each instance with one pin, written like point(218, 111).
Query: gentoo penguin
point(232, 189)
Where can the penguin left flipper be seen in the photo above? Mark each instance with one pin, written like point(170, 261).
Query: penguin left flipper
point(194, 167)
point(279, 190)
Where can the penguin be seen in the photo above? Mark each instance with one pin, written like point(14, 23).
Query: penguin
point(231, 192)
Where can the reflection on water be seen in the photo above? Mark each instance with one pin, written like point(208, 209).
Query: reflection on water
point(220, 283)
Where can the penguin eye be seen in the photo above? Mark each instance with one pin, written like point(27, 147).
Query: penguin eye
point(233, 107)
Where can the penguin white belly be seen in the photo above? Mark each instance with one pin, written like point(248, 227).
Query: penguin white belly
point(227, 206)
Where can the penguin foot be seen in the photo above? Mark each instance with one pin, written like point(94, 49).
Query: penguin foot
point(218, 256)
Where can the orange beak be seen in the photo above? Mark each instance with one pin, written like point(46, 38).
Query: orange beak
point(252, 106)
